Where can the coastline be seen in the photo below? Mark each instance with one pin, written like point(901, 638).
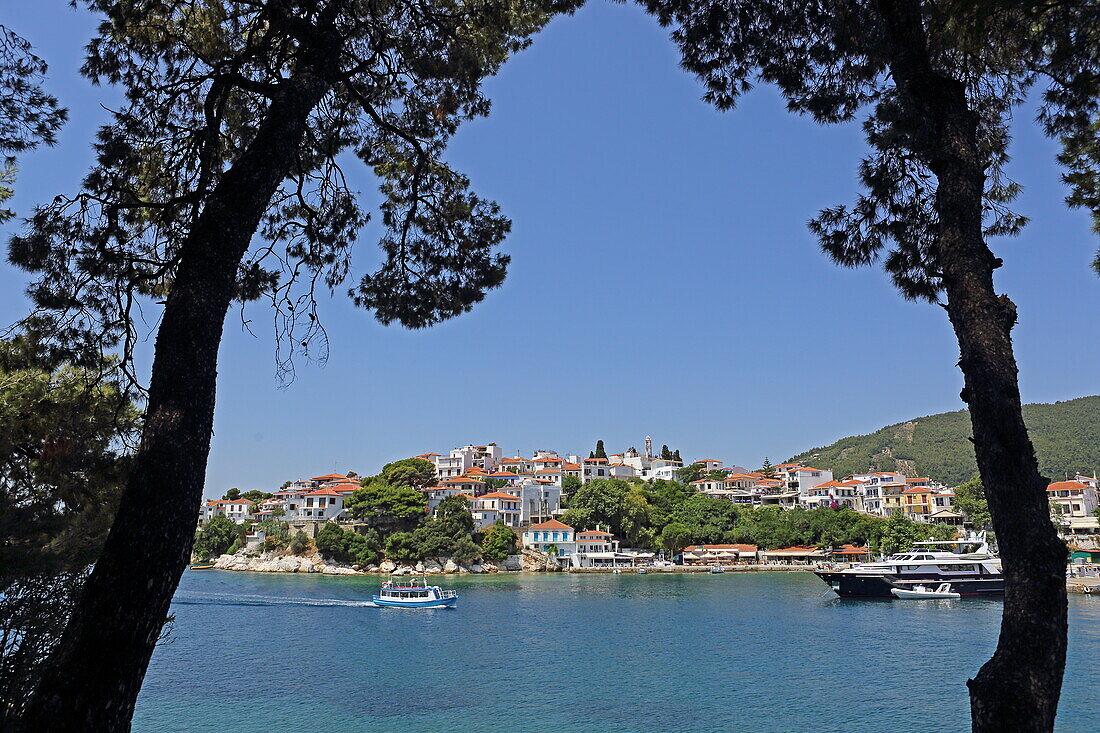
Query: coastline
point(514, 564)
point(274, 563)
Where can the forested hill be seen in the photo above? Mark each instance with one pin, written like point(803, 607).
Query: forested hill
point(1066, 437)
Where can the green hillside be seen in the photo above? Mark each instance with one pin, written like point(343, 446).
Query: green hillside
point(1066, 437)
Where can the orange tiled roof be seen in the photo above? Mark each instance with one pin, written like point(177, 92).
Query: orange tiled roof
point(327, 491)
point(1064, 485)
point(499, 495)
point(552, 524)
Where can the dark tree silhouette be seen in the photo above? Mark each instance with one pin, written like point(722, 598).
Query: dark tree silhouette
point(939, 83)
point(219, 181)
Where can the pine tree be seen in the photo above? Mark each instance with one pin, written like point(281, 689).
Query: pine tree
point(939, 81)
point(767, 469)
point(221, 179)
point(676, 456)
point(666, 454)
point(599, 452)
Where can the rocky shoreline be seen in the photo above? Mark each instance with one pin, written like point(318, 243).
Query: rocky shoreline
point(314, 563)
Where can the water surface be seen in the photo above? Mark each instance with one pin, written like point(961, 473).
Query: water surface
point(610, 653)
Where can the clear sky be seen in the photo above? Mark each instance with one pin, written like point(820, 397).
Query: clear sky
point(662, 282)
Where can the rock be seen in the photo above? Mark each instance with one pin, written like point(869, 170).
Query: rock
point(355, 567)
point(513, 562)
point(387, 566)
point(432, 567)
point(419, 567)
point(476, 568)
point(399, 571)
point(450, 566)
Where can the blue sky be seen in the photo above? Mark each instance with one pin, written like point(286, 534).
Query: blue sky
point(662, 282)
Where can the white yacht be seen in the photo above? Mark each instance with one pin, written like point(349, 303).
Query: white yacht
point(968, 565)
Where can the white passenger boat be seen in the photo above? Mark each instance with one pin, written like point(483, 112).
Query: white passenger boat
point(416, 594)
point(924, 591)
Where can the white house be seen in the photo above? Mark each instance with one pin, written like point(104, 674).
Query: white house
point(486, 457)
point(322, 505)
point(804, 478)
point(621, 470)
point(490, 508)
point(594, 468)
point(599, 549)
point(538, 501)
point(546, 536)
point(666, 472)
point(1076, 501)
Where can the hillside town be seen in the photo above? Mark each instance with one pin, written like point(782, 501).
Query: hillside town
point(530, 496)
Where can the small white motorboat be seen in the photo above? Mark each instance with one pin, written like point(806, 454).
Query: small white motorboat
point(717, 569)
point(417, 594)
point(943, 590)
point(641, 571)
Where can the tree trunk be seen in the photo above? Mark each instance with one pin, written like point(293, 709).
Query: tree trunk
point(1018, 689)
point(93, 678)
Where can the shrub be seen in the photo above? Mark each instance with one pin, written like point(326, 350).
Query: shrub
point(217, 537)
point(499, 542)
point(299, 543)
point(331, 543)
point(402, 547)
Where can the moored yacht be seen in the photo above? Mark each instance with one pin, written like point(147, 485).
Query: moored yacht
point(969, 566)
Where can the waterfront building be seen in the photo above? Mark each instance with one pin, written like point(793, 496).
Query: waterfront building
point(599, 549)
point(552, 537)
point(719, 554)
point(850, 553)
point(793, 555)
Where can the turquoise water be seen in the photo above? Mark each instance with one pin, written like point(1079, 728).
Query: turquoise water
point(735, 652)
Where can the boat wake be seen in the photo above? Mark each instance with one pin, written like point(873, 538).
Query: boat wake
point(234, 599)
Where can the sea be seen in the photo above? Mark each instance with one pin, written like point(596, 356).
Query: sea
point(550, 653)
